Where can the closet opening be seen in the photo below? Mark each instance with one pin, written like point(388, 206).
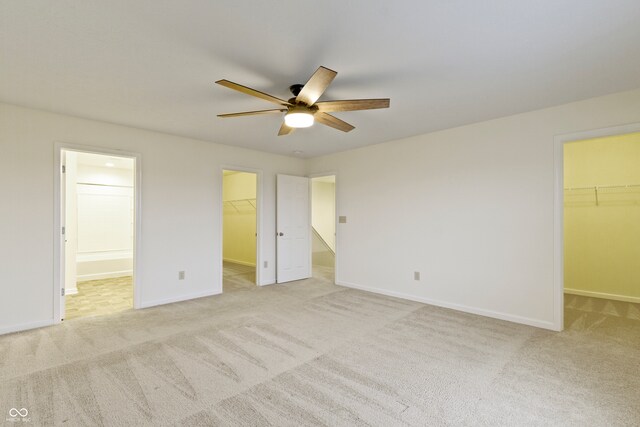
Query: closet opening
point(601, 228)
point(323, 227)
point(98, 233)
point(239, 230)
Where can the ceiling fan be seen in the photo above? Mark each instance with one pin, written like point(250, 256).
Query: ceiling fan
point(303, 109)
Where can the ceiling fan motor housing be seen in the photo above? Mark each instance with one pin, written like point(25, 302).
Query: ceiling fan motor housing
point(302, 108)
point(295, 89)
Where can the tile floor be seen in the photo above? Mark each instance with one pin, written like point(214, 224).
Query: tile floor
point(99, 297)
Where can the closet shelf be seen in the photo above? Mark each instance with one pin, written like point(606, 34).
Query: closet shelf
point(245, 204)
point(604, 187)
point(599, 193)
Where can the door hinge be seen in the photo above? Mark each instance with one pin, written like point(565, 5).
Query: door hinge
point(64, 169)
point(62, 292)
point(63, 230)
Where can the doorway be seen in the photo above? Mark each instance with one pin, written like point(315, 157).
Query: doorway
point(98, 214)
point(323, 227)
point(601, 227)
point(239, 230)
point(602, 217)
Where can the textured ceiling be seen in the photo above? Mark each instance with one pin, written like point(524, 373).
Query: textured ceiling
point(152, 64)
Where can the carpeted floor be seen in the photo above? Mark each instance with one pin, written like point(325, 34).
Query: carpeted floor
point(312, 353)
point(100, 297)
point(236, 277)
point(324, 273)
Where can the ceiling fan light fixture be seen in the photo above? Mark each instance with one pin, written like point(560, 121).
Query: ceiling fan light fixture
point(303, 109)
point(298, 119)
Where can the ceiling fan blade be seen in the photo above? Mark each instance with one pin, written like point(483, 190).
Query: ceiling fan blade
point(352, 105)
point(252, 92)
point(332, 121)
point(316, 85)
point(252, 113)
point(285, 130)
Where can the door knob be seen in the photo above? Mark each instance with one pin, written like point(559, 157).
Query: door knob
point(281, 234)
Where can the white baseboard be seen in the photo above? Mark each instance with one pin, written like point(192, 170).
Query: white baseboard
point(106, 275)
point(270, 282)
point(153, 303)
point(459, 307)
point(25, 326)
point(603, 295)
point(235, 261)
point(70, 291)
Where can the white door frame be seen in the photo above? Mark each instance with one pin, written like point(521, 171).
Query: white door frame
point(58, 240)
point(258, 173)
point(336, 239)
point(558, 210)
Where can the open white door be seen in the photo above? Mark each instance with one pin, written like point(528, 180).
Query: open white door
point(293, 228)
point(63, 239)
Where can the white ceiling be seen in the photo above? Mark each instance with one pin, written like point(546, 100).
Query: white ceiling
point(152, 64)
point(101, 160)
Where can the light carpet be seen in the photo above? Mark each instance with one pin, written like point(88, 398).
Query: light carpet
point(312, 353)
point(237, 277)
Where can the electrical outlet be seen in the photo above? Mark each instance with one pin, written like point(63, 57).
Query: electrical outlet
point(266, 264)
point(416, 275)
point(180, 275)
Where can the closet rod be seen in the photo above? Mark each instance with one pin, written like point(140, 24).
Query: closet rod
point(232, 203)
point(600, 187)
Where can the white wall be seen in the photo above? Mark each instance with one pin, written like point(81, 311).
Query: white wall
point(90, 174)
point(323, 210)
point(471, 208)
point(180, 209)
point(105, 231)
point(105, 218)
